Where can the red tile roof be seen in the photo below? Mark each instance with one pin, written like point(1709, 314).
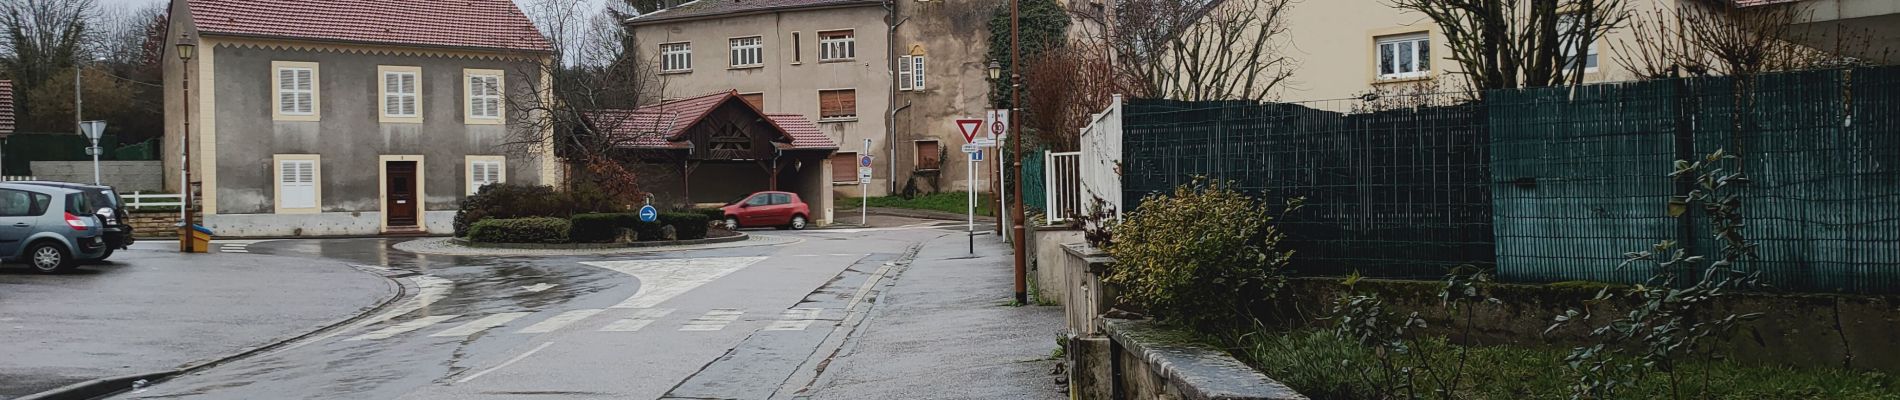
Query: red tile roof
point(664, 125)
point(6, 107)
point(482, 24)
point(730, 8)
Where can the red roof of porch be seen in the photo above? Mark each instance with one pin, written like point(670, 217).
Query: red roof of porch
point(663, 126)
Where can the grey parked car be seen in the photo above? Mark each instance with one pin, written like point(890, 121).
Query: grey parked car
point(51, 229)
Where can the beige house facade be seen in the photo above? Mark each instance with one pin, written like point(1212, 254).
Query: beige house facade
point(897, 92)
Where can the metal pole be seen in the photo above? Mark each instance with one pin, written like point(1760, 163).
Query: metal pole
point(184, 164)
point(1016, 152)
point(864, 192)
point(969, 165)
point(95, 162)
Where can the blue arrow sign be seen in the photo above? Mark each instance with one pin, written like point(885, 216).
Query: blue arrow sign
point(649, 214)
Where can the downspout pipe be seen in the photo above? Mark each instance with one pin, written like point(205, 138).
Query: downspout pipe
point(890, 117)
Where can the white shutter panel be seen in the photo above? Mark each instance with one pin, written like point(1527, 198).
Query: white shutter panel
point(903, 73)
point(392, 94)
point(918, 71)
point(297, 184)
point(474, 96)
point(494, 173)
point(409, 94)
point(286, 82)
point(304, 98)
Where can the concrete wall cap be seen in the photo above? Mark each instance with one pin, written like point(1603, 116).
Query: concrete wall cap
point(1199, 371)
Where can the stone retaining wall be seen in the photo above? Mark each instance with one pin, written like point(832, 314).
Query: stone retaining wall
point(157, 224)
point(125, 176)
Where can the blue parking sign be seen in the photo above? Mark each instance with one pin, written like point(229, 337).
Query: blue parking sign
point(977, 156)
point(649, 214)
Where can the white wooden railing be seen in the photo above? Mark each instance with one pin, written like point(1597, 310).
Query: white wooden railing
point(138, 200)
point(1062, 186)
point(19, 178)
point(1101, 172)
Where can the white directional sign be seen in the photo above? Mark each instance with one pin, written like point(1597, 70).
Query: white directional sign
point(986, 142)
point(972, 148)
point(864, 174)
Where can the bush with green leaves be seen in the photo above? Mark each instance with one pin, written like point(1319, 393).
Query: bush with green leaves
point(686, 225)
point(519, 230)
point(507, 200)
point(1202, 256)
point(600, 227)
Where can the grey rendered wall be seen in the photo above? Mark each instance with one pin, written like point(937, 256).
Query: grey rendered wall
point(349, 136)
point(125, 176)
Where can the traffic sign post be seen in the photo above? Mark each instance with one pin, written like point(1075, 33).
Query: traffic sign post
point(864, 185)
point(972, 151)
point(94, 129)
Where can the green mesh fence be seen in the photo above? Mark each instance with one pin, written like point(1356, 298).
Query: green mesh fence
point(1582, 178)
point(1034, 195)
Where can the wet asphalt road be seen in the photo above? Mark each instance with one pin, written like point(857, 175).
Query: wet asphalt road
point(743, 323)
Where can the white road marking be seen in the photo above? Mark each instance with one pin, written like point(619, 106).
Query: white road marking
point(559, 321)
point(538, 287)
point(480, 325)
point(796, 319)
point(714, 320)
point(640, 320)
point(661, 280)
point(406, 326)
point(504, 364)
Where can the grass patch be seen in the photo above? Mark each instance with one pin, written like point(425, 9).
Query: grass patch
point(951, 202)
point(1323, 366)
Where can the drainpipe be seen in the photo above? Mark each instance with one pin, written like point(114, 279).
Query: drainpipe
point(890, 118)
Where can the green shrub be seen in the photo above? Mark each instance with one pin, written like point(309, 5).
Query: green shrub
point(686, 225)
point(600, 227)
point(1201, 256)
point(712, 214)
point(519, 230)
point(519, 201)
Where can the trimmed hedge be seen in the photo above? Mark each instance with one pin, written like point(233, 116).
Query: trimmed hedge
point(508, 200)
point(599, 228)
point(520, 230)
point(712, 214)
point(686, 225)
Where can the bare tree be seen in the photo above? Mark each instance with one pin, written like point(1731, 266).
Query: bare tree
point(1502, 44)
point(1717, 38)
point(1072, 85)
point(42, 39)
point(585, 106)
point(1195, 49)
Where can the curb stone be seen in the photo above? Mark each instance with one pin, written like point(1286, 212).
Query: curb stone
point(103, 387)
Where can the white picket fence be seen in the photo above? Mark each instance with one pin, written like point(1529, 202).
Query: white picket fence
point(1074, 180)
point(19, 178)
point(138, 200)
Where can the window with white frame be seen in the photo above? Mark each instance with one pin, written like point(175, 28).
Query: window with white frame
point(297, 183)
point(1578, 46)
point(484, 171)
point(917, 72)
point(837, 45)
point(296, 91)
point(910, 73)
point(484, 96)
point(400, 93)
point(748, 52)
point(676, 57)
point(1405, 56)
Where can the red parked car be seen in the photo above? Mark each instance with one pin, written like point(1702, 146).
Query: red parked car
point(775, 209)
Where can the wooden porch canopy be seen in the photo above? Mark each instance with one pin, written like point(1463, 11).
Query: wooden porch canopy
point(719, 127)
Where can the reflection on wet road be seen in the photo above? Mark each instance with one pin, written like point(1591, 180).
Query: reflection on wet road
point(730, 323)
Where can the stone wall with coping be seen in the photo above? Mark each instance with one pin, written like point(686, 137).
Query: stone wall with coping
point(124, 176)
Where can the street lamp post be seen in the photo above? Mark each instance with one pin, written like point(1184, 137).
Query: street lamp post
point(186, 48)
point(1016, 152)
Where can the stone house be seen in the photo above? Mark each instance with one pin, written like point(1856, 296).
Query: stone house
point(350, 117)
point(840, 64)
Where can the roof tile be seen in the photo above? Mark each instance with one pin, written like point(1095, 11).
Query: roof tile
point(662, 125)
point(484, 24)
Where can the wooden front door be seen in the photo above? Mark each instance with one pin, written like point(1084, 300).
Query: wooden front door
point(401, 201)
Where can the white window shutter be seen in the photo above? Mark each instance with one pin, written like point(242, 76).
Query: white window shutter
point(286, 82)
point(903, 73)
point(297, 184)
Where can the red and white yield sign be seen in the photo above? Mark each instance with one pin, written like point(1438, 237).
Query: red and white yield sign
point(969, 127)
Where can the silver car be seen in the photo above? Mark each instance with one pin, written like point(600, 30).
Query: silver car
point(51, 229)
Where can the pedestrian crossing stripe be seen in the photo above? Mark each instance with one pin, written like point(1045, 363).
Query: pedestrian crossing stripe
point(796, 319)
point(716, 319)
point(485, 323)
point(639, 320)
point(559, 321)
point(404, 327)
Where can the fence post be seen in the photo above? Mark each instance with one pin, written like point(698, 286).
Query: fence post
point(1686, 115)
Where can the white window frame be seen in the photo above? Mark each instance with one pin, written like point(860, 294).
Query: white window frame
point(837, 45)
point(482, 91)
point(1420, 66)
point(484, 170)
point(917, 72)
point(298, 91)
point(676, 57)
point(1571, 49)
point(903, 73)
point(747, 55)
point(303, 183)
point(388, 97)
